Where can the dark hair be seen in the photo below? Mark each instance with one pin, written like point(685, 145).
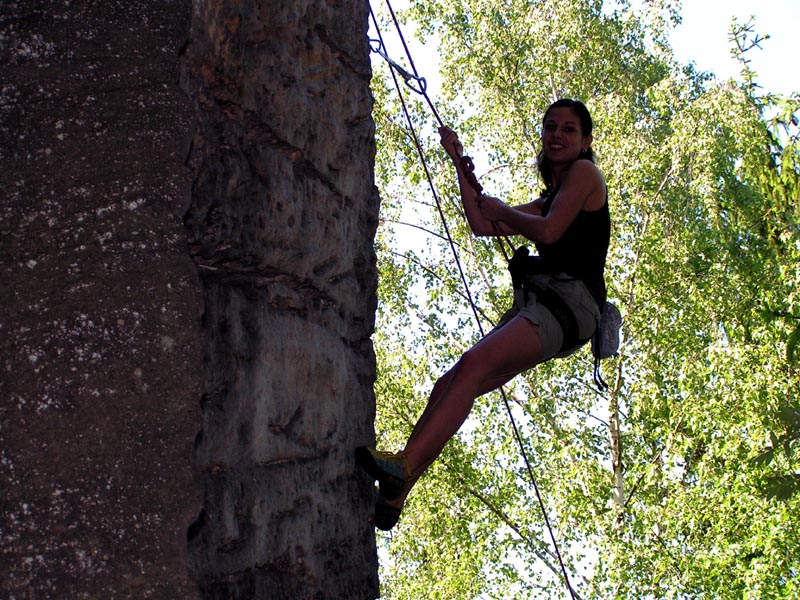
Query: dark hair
point(580, 110)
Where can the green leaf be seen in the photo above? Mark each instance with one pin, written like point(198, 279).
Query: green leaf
point(789, 415)
point(793, 346)
point(764, 458)
point(783, 487)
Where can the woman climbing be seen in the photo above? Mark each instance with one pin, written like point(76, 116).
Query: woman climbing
point(558, 294)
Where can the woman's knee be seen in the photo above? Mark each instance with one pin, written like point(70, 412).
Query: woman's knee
point(472, 361)
point(443, 381)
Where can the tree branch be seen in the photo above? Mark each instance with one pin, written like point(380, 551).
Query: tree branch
point(436, 276)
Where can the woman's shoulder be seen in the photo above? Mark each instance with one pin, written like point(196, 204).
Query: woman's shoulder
point(583, 173)
point(585, 167)
point(588, 180)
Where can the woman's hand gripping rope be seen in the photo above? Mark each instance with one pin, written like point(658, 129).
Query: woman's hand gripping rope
point(455, 150)
point(492, 209)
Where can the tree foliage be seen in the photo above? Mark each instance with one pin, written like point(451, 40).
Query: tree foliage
point(697, 495)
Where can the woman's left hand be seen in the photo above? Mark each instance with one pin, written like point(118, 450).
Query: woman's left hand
point(492, 209)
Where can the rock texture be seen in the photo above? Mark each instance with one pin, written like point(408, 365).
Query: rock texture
point(282, 219)
point(101, 346)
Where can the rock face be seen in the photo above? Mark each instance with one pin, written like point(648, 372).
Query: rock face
point(101, 339)
point(281, 224)
point(103, 385)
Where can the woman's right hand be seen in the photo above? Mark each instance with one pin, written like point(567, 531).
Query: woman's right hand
point(451, 143)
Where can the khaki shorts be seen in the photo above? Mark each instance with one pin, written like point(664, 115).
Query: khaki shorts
point(575, 294)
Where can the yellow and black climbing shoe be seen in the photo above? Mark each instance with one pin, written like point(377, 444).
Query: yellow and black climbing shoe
point(386, 515)
point(391, 470)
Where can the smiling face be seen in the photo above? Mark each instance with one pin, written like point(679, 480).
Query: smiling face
point(562, 136)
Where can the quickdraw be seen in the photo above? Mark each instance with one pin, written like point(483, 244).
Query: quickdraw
point(422, 85)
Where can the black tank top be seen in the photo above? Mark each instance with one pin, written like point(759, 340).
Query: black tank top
point(581, 251)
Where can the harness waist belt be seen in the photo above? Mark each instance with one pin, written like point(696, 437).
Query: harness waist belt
point(521, 266)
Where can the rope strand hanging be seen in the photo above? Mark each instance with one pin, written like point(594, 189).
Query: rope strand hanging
point(425, 167)
point(468, 168)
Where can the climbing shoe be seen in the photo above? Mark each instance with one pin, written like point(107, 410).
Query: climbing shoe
point(391, 470)
point(386, 515)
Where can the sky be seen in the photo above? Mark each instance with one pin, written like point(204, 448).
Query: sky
point(702, 38)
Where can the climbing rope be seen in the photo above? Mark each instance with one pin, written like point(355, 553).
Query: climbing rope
point(418, 85)
point(424, 162)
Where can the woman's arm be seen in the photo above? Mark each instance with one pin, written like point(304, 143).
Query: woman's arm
point(583, 188)
point(469, 197)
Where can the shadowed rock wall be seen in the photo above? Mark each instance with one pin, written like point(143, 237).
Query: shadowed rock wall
point(100, 359)
point(282, 221)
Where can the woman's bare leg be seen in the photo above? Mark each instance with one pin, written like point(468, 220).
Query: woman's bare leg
point(436, 393)
point(493, 361)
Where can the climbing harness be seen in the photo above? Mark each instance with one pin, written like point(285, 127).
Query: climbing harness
point(417, 84)
point(521, 266)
